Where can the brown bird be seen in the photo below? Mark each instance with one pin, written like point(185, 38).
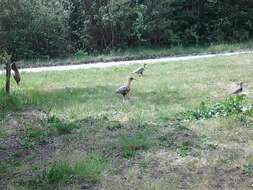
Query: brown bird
point(125, 89)
point(140, 70)
point(16, 75)
point(238, 90)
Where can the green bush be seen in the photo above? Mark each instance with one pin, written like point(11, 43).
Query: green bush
point(46, 29)
point(232, 105)
point(80, 54)
point(34, 28)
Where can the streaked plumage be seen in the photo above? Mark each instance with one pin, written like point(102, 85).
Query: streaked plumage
point(125, 89)
point(140, 70)
point(239, 90)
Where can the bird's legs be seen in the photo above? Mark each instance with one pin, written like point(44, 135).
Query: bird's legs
point(126, 97)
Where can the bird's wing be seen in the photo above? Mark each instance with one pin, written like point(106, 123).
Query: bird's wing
point(121, 89)
point(140, 69)
point(237, 91)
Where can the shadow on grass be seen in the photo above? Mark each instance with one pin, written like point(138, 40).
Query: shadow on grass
point(64, 97)
point(162, 98)
point(71, 96)
point(74, 97)
point(103, 95)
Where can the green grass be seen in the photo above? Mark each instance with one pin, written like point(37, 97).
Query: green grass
point(141, 53)
point(94, 138)
point(3, 169)
point(44, 130)
point(62, 173)
point(15, 101)
point(231, 106)
point(76, 95)
point(62, 128)
point(184, 149)
point(91, 168)
point(59, 172)
point(34, 135)
point(129, 145)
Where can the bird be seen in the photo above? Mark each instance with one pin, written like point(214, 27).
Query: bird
point(16, 75)
point(125, 89)
point(140, 70)
point(238, 90)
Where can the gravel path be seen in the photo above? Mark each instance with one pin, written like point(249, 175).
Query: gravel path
point(124, 63)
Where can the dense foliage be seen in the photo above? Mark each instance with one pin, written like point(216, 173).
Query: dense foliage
point(50, 28)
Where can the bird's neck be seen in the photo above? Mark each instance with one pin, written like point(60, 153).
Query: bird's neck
point(129, 83)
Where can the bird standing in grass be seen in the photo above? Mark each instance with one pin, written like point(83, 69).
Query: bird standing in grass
point(125, 89)
point(140, 70)
point(239, 90)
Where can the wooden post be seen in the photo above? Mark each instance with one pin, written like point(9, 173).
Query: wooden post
point(8, 77)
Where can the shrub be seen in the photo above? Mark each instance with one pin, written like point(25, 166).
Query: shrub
point(230, 106)
point(80, 54)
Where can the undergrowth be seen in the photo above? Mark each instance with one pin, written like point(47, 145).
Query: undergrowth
point(230, 106)
point(41, 134)
point(131, 144)
point(13, 102)
point(62, 172)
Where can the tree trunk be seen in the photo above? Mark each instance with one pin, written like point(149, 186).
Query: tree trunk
point(8, 77)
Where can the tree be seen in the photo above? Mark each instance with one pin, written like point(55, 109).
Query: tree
point(5, 58)
point(47, 29)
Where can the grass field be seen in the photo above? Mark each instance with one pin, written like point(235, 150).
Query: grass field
point(138, 53)
point(69, 130)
